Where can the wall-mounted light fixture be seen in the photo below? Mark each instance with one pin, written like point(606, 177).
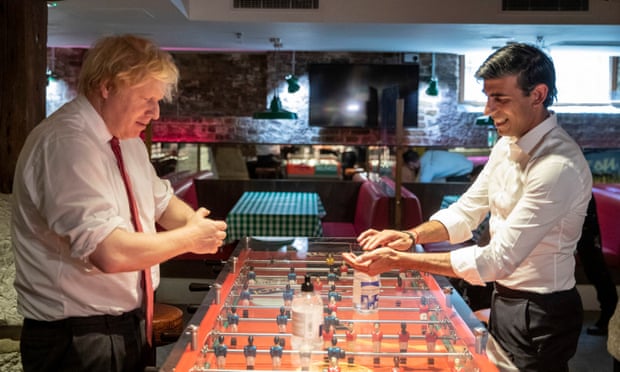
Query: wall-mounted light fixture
point(433, 88)
point(275, 110)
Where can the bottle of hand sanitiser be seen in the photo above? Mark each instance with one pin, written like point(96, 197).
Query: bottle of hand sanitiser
point(307, 316)
point(366, 290)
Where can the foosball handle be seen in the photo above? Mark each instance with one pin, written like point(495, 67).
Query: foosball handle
point(199, 287)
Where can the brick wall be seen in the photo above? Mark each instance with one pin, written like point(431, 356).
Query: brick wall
point(219, 92)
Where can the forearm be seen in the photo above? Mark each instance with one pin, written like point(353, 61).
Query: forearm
point(124, 251)
point(435, 263)
point(429, 232)
point(176, 215)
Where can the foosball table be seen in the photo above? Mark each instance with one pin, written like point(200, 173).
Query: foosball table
point(244, 321)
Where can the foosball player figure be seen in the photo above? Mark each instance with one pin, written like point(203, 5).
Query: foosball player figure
point(403, 341)
point(282, 320)
point(424, 307)
point(292, 276)
point(431, 340)
point(335, 351)
point(333, 365)
point(244, 299)
point(251, 276)
point(328, 334)
point(233, 324)
point(333, 294)
point(287, 295)
point(350, 337)
point(318, 285)
point(424, 326)
point(276, 352)
point(330, 260)
point(377, 338)
point(397, 367)
point(220, 349)
point(330, 320)
point(332, 307)
point(249, 352)
point(331, 277)
point(344, 270)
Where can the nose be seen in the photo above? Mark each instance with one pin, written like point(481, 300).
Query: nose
point(154, 110)
point(489, 107)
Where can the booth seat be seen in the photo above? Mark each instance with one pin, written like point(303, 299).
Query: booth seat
point(371, 211)
point(185, 188)
point(608, 211)
point(411, 213)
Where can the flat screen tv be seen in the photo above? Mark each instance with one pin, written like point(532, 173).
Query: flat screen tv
point(362, 95)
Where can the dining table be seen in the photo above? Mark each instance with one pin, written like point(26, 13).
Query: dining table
point(276, 214)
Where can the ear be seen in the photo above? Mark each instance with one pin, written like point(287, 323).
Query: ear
point(104, 89)
point(539, 94)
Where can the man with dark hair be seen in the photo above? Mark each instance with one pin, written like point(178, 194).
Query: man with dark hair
point(536, 186)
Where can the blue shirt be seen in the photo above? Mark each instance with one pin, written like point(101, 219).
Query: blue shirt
point(436, 165)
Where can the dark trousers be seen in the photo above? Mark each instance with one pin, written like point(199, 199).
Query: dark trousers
point(102, 343)
point(594, 266)
point(539, 332)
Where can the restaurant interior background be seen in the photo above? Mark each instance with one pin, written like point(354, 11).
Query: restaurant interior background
point(219, 93)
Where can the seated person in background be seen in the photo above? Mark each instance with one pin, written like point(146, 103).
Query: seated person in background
point(268, 156)
point(435, 166)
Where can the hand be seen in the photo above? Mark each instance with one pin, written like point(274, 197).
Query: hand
point(372, 239)
point(374, 262)
point(207, 234)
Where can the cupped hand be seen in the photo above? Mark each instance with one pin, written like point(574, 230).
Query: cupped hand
point(374, 262)
point(207, 234)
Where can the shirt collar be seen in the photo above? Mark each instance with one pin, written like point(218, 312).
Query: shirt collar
point(520, 149)
point(94, 120)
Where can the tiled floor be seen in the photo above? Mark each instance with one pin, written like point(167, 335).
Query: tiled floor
point(591, 354)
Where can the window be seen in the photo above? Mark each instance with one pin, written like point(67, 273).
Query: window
point(582, 78)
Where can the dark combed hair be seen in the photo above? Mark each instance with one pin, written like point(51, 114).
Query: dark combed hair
point(531, 65)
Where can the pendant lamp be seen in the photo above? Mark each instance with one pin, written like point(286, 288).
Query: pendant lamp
point(275, 110)
point(433, 89)
point(291, 79)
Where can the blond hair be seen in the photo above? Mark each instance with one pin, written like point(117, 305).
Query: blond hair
point(127, 61)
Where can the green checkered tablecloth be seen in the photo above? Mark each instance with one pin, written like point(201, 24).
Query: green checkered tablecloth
point(276, 214)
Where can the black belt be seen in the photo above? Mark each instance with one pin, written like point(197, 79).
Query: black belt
point(515, 293)
point(88, 321)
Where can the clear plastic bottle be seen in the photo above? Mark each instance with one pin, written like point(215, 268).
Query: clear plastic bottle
point(307, 316)
point(366, 290)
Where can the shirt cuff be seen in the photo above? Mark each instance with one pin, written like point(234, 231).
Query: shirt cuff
point(464, 265)
point(458, 232)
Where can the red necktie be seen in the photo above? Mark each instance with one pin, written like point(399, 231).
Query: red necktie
point(135, 219)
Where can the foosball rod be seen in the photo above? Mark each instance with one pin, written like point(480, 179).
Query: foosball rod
point(338, 336)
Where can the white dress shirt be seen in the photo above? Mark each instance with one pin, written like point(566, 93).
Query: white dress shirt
point(537, 189)
point(68, 196)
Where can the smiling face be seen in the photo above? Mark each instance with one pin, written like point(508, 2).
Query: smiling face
point(128, 110)
point(513, 111)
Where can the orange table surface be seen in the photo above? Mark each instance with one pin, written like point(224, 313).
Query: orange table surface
point(399, 303)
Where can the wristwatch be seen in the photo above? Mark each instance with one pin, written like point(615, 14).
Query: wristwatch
point(413, 236)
